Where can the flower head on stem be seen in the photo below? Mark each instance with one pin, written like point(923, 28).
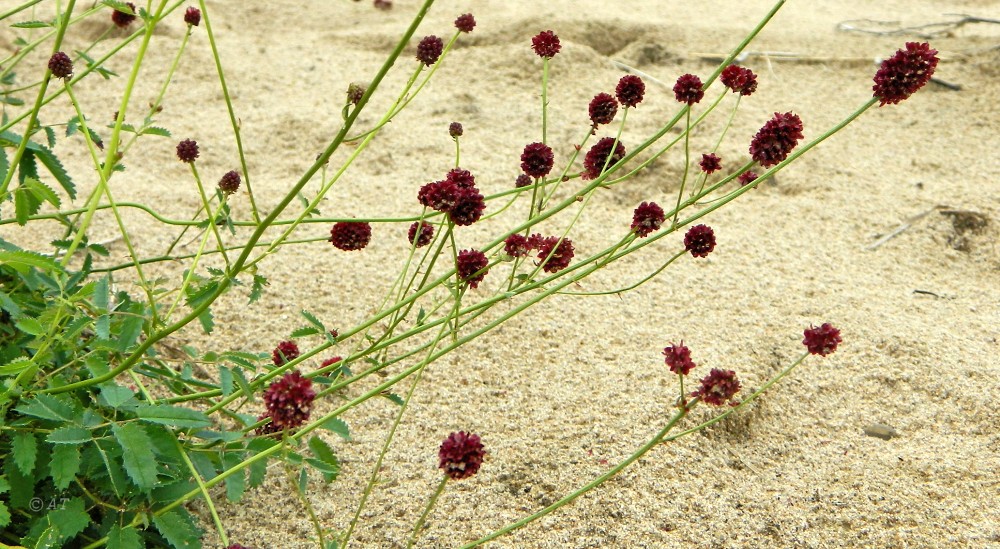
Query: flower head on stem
point(420, 234)
point(187, 150)
point(821, 340)
point(350, 235)
point(700, 240)
point(718, 388)
point(471, 267)
point(537, 160)
point(460, 455)
point(776, 139)
point(429, 49)
point(678, 358)
point(192, 16)
point(603, 108)
point(122, 19)
point(648, 217)
point(688, 90)
point(465, 22)
point(904, 73)
point(710, 163)
point(630, 90)
point(739, 79)
point(61, 65)
point(286, 351)
point(546, 44)
point(601, 155)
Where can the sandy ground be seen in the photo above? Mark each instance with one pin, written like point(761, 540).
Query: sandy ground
point(574, 385)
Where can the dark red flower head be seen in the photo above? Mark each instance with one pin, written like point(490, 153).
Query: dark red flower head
point(747, 178)
point(603, 109)
point(461, 455)
point(420, 233)
point(905, 72)
point(289, 401)
point(122, 19)
point(355, 92)
point(516, 245)
point(546, 44)
point(330, 361)
point(469, 263)
point(523, 180)
point(537, 160)
point(463, 179)
point(286, 351)
point(439, 195)
point(455, 129)
point(187, 150)
point(61, 65)
point(556, 257)
point(822, 340)
point(230, 182)
point(601, 154)
point(350, 235)
point(688, 89)
point(699, 240)
point(739, 79)
point(710, 163)
point(648, 217)
point(678, 358)
point(630, 90)
point(465, 22)
point(776, 139)
point(192, 16)
point(468, 208)
point(429, 49)
point(718, 387)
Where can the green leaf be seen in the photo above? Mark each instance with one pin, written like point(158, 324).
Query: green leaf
point(225, 380)
point(176, 530)
point(241, 380)
point(30, 326)
point(393, 397)
point(25, 449)
point(115, 396)
point(50, 136)
point(55, 167)
point(137, 454)
point(31, 25)
point(118, 5)
point(4, 515)
point(154, 130)
point(15, 366)
point(236, 483)
point(173, 415)
point(124, 538)
point(4, 485)
point(207, 321)
point(257, 288)
point(47, 407)
point(70, 519)
point(25, 205)
point(305, 331)
point(313, 320)
point(21, 260)
point(325, 460)
point(69, 435)
point(9, 305)
point(131, 327)
point(102, 299)
point(65, 464)
point(42, 192)
point(338, 426)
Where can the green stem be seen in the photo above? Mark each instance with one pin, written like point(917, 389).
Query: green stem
point(427, 510)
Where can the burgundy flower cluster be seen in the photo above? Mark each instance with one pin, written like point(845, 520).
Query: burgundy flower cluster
point(472, 267)
point(455, 195)
point(821, 340)
point(688, 90)
point(699, 240)
point(461, 455)
point(429, 50)
point(904, 73)
point(61, 65)
point(546, 44)
point(710, 163)
point(230, 182)
point(465, 22)
point(122, 19)
point(350, 235)
point(192, 16)
point(420, 233)
point(604, 152)
point(554, 252)
point(747, 178)
point(455, 129)
point(187, 150)
point(776, 139)
point(537, 160)
point(630, 90)
point(648, 217)
point(289, 402)
point(717, 388)
point(603, 108)
point(678, 358)
point(523, 180)
point(739, 79)
point(286, 351)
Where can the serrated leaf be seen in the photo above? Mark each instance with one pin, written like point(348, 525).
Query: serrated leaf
point(176, 530)
point(47, 407)
point(65, 464)
point(313, 320)
point(8, 304)
point(70, 519)
point(15, 367)
point(30, 326)
point(4, 485)
point(155, 130)
point(50, 136)
point(118, 5)
point(25, 449)
point(236, 483)
point(137, 454)
point(257, 288)
point(394, 398)
point(43, 192)
point(69, 435)
point(241, 380)
point(4, 517)
point(25, 205)
point(225, 380)
point(304, 331)
point(207, 321)
point(55, 167)
point(325, 461)
point(338, 426)
point(131, 328)
point(31, 25)
point(21, 260)
point(115, 396)
point(124, 538)
point(173, 415)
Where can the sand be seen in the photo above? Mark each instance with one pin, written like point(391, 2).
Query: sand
point(576, 384)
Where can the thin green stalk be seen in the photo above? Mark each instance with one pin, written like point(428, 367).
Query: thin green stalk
point(427, 510)
point(687, 166)
point(203, 489)
point(211, 220)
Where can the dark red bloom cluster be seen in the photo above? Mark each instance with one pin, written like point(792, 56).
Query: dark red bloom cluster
point(747, 178)
point(192, 16)
point(630, 90)
point(455, 129)
point(465, 22)
point(821, 340)
point(350, 235)
point(688, 89)
point(739, 79)
point(61, 65)
point(289, 402)
point(699, 240)
point(904, 73)
point(420, 234)
point(537, 160)
point(710, 163)
point(523, 180)
point(678, 358)
point(516, 245)
point(429, 49)
point(603, 109)
point(355, 92)
point(122, 19)
point(546, 44)
point(648, 217)
point(187, 150)
point(776, 139)
point(230, 182)
point(330, 361)
point(469, 263)
point(286, 351)
point(556, 254)
point(455, 195)
point(718, 387)
point(602, 154)
point(461, 455)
